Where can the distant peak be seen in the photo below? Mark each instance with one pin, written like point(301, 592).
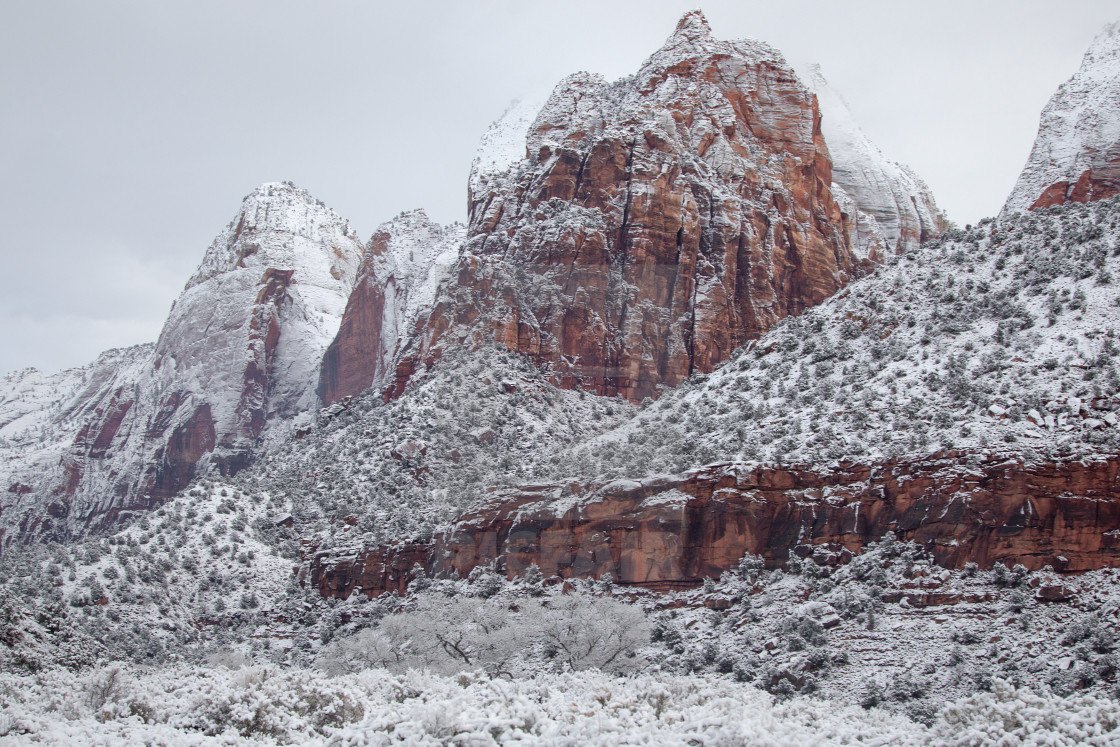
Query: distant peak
point(1105, 47)
point(694, 25)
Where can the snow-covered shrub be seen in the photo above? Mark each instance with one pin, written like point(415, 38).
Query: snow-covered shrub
point(1010, 715)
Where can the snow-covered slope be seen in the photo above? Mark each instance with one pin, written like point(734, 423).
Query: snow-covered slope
point(407, 259)
point(235, 365)
point(1076, 155)
point(1002, 338)
point(41, 416)
point(891, 210)
point(402, 468)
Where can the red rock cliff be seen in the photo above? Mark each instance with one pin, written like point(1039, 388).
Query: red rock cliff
point(670, 532)
point(655, 224)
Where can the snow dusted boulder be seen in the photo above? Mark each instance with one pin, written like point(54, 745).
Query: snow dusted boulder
point(1076, 155)
point(406, 260)
point(236, 364)
point(890, 209)
point(646, 228)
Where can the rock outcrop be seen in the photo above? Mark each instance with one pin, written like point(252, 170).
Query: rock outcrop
point(890, 209)
point(670, 532)
point(236, 364)
point(402, 268)
point(1076, 155)
point(654, 224)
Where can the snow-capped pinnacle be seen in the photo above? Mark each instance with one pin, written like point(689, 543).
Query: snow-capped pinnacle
point(693, 38)
point(693, 25)
point(892, 210)
point(1076, 155)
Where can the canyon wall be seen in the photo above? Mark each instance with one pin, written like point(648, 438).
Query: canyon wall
point(671, 532)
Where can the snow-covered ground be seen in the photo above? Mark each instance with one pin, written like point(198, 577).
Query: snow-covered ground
point(815, 656)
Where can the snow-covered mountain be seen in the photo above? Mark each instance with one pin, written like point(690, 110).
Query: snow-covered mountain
point(649, 225)
point(236, 365)
point(883, 468)
point(1002, 339)
point(1076, 155)
point(407, 258)
point(890, 209)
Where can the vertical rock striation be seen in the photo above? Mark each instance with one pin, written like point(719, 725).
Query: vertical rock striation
point(397, 281)
point(653, 225)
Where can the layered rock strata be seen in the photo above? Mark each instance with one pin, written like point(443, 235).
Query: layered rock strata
point(669, 532)
point(1076, 155)
point(654, 224)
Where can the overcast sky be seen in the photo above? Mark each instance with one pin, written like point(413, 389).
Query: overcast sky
point(131, 130)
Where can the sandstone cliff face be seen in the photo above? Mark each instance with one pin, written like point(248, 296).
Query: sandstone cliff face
point(1076, 156)
point(236, 364)
point(890, 209)
point(669, 532)
point(397, 281)
point(654, 224)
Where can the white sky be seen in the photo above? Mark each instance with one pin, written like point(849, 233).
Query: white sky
point(131, 130)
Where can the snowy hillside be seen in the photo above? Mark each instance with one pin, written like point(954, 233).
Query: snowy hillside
point(1002, 337)
point(1077, 152)
point(377, 472)
point(200, 612)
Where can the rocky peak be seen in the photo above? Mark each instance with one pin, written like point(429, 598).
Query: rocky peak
point(407, 258)
point(890, 209)
point(693, 26)
point(1076, 155)
point(236, 366)
point(655, 223)
point(277, 221)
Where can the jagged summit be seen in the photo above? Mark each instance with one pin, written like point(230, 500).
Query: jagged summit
point(693, 38)
point(653, 224)
point(693, 24)
point(1076, 155)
